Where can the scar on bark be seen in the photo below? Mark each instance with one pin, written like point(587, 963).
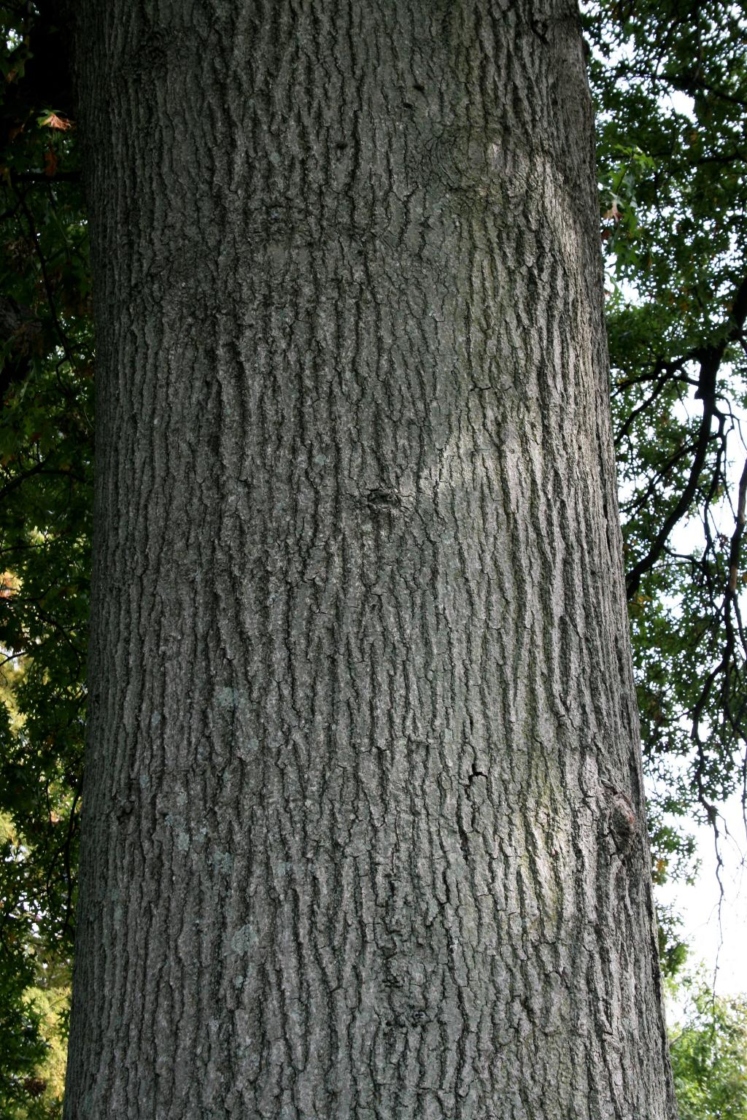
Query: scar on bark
point(383, 500)
point(623, 822)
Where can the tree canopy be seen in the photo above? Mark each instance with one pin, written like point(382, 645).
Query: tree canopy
point(709, 1054)
point(670, 84)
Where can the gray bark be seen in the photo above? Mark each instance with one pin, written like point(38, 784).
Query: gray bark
point(364, 829)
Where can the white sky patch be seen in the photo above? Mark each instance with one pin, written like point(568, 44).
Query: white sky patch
point(714, 909)
point(680, 102)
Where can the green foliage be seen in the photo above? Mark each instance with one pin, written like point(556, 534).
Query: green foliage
point(670, 82)
point(34, 992)
point(709, 1055)
point(45, 502)
point(21, 1044)
point(673, 951)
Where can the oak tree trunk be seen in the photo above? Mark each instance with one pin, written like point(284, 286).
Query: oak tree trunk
point(364, 832)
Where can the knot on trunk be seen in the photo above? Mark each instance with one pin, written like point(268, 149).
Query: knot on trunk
point(622, 818)
point(383, 498)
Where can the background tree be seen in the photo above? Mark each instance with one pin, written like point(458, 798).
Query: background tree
point(671, 87)
point(45, 497)
point(709, 1054)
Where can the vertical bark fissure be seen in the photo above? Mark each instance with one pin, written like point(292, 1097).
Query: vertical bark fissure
point(363, 809)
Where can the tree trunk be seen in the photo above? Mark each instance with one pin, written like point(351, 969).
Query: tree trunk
point(364, 829)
